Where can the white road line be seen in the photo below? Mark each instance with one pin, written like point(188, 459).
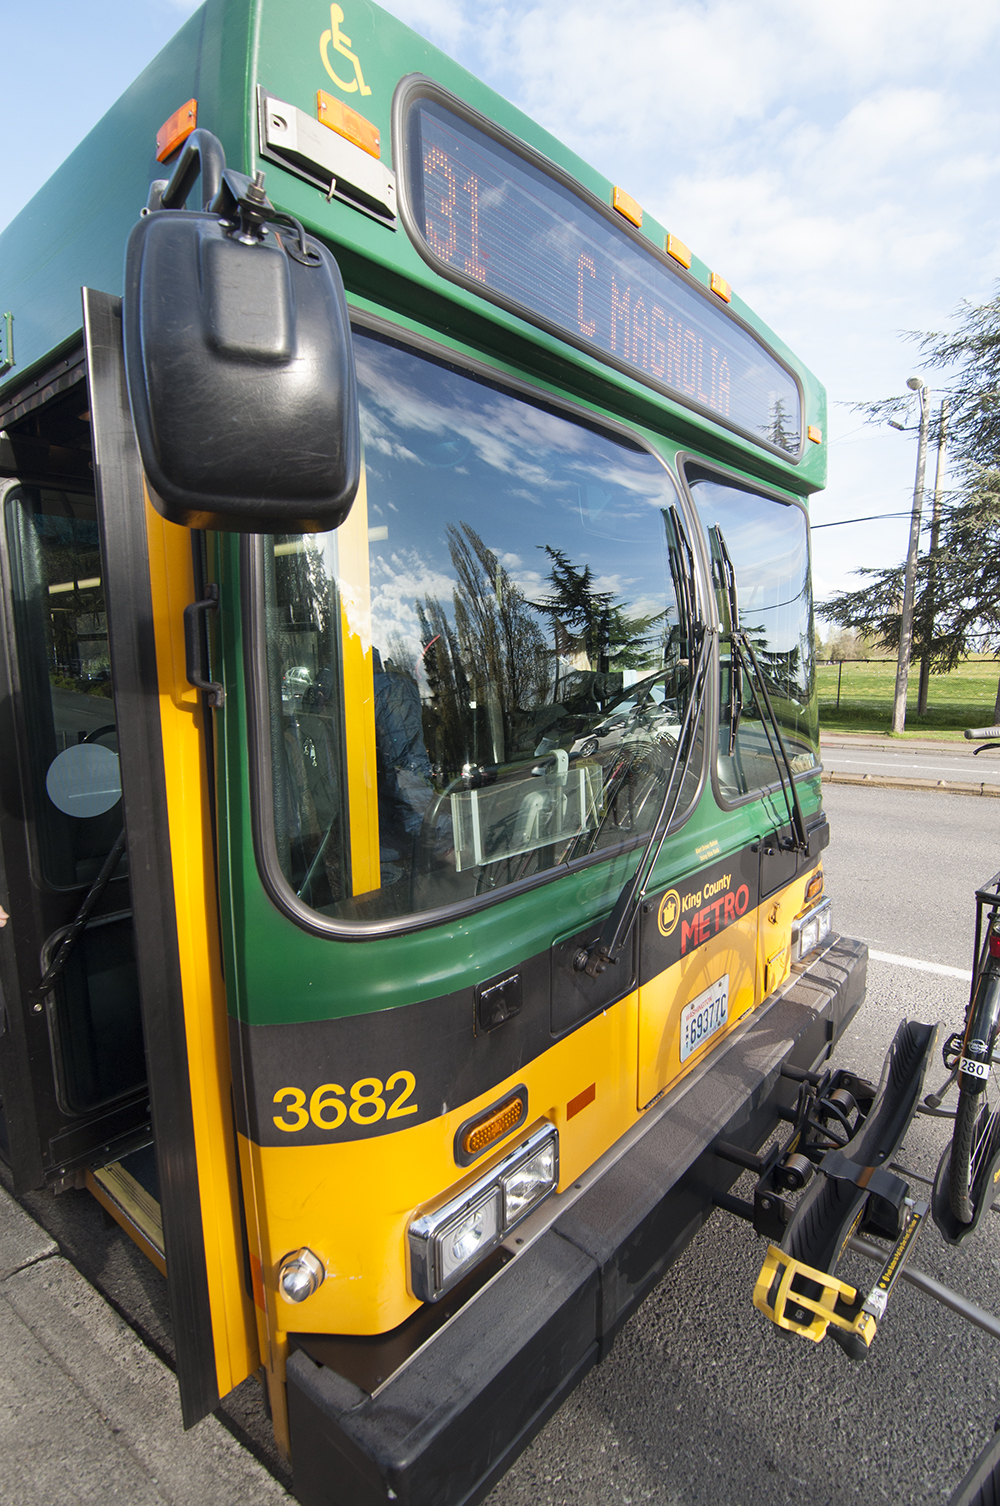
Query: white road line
point(922, 967)
point(896, 763)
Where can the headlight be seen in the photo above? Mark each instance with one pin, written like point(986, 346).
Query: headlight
point(446, 1244)
point(528, 1183)
point(810, 929)
point(467, 1237)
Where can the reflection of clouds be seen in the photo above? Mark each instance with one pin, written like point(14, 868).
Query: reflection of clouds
point(505, 433)
point(526, 477)
point(650, 606)
point(532, 584)
point(768, 543)
point(614, 585)
point(405, 572)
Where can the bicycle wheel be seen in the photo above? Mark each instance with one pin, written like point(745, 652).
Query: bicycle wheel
point(977, 1121)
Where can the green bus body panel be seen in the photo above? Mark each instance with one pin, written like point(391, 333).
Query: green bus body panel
point(73, 231)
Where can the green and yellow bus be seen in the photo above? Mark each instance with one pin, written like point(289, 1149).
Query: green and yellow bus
point(411, 821)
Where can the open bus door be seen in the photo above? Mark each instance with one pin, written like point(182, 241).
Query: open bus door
point(71, 1054)
point(121, 1052)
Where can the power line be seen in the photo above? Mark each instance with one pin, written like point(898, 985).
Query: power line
point(876, 517)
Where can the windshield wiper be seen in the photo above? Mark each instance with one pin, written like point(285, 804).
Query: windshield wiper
point(694, 636)
point(742, 645)
point(604, 951)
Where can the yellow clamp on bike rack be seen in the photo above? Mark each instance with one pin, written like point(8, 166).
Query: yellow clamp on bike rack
point(773, 1296)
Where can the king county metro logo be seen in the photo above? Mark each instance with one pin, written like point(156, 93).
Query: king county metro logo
point(669, 914)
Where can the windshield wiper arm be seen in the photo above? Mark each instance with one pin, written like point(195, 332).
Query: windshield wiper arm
point(595, 958)
point(727, 579)
point(742, 644)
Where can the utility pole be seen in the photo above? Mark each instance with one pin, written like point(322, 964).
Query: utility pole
point(906, 619)
point(929, 603)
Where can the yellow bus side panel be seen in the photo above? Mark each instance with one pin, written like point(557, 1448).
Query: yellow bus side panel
point(172, 585)
point(359, 692)
point(732, 955)
point(351, 1203)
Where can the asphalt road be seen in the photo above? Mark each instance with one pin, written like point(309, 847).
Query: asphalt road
point(903, 760)
point(701, 1400)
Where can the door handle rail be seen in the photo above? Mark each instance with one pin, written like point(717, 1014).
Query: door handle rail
point(195, 648)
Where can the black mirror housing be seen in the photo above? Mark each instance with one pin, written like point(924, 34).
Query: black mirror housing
point(240, 371)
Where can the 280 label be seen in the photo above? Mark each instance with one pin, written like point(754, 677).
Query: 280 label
point(328, 1108)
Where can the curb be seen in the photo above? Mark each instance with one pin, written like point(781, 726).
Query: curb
point(929, 786)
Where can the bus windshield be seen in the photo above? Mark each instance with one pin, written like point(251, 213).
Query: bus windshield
point(480, 677)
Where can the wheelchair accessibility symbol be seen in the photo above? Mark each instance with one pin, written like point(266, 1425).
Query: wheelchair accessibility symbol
point(342, 45)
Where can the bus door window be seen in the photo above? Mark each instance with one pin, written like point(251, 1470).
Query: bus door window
point(506, 642)
point(64, 673)
point(768, 542)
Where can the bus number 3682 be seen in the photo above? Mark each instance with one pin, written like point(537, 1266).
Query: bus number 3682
point(328, 1109)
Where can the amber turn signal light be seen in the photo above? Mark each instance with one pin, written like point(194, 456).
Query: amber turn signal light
point(348, 123)
point(176, 130)
point(676, 248)
point(627, 206)
point(494, 1125)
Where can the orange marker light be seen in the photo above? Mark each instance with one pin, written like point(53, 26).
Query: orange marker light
point(815, 434)
point(348, 123)
point(720, 287)
point(676, 248)
point(626, 205)
point(581, 1101)
point(176, 130)
point(497, 1124)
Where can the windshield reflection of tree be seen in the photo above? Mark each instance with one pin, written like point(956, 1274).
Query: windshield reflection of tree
point(507, 699)
point(498, 693)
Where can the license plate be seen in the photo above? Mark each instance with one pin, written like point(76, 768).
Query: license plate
point(704, 1016)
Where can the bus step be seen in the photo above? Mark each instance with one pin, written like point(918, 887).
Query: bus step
point(855, 1192)
point(132, 1206)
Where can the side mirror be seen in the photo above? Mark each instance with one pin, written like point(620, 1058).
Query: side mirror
point(238, 358)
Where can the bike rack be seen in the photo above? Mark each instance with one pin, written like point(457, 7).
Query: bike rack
point(817, 1195)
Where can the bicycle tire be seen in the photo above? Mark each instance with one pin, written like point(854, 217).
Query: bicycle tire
point(962, 1145)
point(977, 1118)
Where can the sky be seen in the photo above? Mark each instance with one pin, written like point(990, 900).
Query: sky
point(838, 164)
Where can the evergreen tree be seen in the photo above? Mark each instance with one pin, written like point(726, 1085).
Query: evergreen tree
point(958, 582)
point(610, 639)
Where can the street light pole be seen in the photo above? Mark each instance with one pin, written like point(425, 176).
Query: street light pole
point(929, 606)
point(909, 578)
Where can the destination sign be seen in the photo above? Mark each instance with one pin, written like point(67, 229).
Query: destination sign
point(497, 221)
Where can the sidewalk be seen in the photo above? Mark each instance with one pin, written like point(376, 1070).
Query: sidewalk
point(909, 744)
point(88, 1414)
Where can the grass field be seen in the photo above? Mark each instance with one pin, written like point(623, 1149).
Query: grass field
point(965, 698)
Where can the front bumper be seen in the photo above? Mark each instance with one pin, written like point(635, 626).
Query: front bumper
point(456, 1410)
